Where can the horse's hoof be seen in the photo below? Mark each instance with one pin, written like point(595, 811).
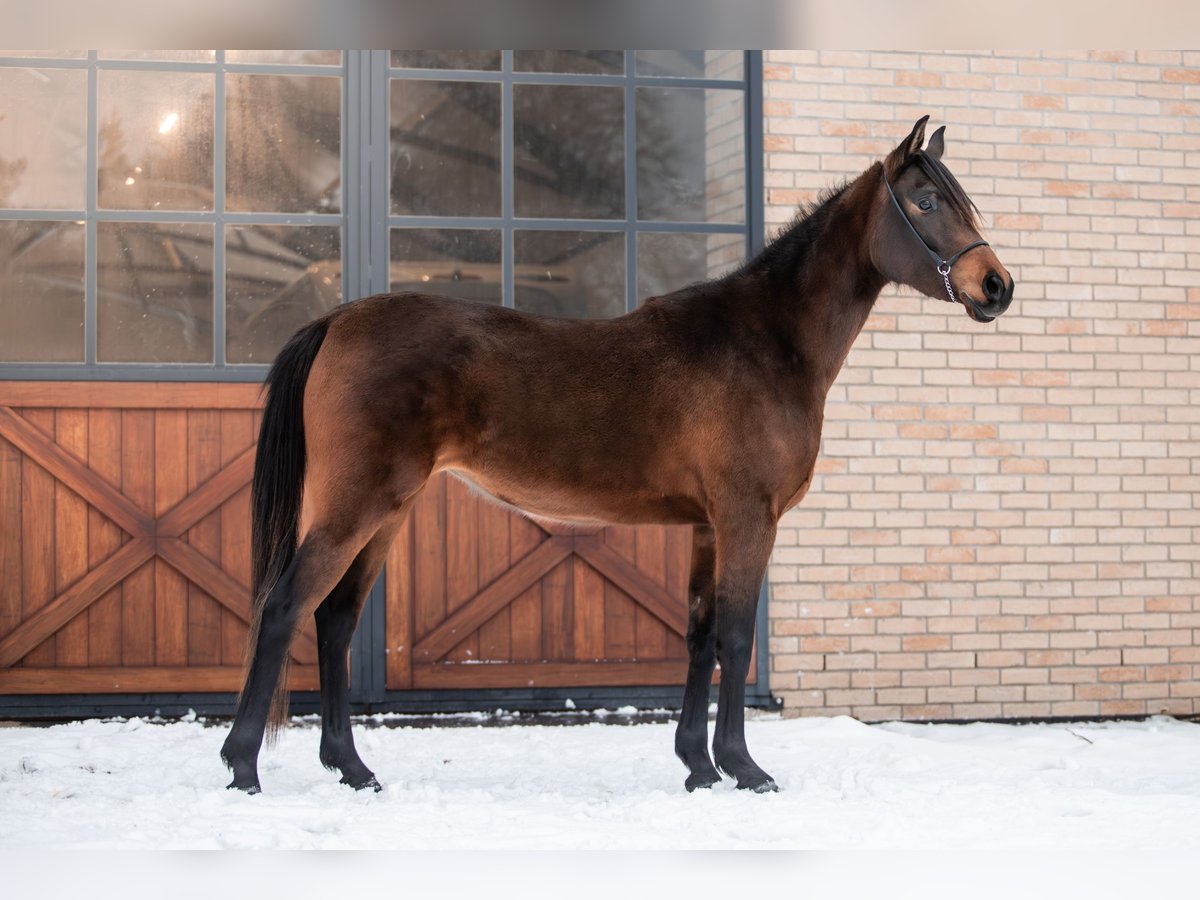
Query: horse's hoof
point(701, 780)
point(761, 785)
point(370, 782)
point(251, 788)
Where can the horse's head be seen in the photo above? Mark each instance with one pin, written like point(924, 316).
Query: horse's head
point(926, 234)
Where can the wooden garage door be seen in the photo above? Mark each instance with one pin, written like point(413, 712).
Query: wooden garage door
point(478, 597)
point(124, 538)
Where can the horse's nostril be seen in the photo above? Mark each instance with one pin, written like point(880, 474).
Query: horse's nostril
point(993, 287)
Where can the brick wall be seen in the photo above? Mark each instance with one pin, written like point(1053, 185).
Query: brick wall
point(1005, 519)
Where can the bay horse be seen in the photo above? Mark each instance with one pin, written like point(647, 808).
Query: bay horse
point(701, 407)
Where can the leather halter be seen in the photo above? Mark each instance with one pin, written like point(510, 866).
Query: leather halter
point(943, 265)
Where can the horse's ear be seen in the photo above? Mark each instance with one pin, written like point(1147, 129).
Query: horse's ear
point(907, 147)
point(937, 143)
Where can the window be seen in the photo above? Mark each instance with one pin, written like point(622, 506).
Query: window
point(178, 214)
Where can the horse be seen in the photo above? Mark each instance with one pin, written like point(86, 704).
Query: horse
point(702, 407)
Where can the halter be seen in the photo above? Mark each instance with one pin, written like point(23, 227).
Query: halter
point(943, 265)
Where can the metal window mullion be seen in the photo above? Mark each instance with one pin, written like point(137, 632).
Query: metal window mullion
point(354, 239)
point(218, 257)
point(755, 196)
point(507, 180)
point(376, 104)
point(90, 303)
point(631, 297)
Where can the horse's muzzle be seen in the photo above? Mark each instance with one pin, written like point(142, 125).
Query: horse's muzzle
point(997, 294)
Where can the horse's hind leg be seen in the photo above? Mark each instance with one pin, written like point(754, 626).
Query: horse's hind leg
point(337, 617)
point(319, 564)
point(743, 548)
point(691, 735)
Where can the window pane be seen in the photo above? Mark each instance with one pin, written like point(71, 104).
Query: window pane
point(172, 55)
point(691, 155)
point(455, 262)
point(277, 278)
point(156, 140)
point(47, 54)
point(569, 159)
point(573, 274)
point(285, 57)
point(691, 63)
point(446, 59)
point(43, 138)
point(154, 292)
point(41, 291)
point(445, 148)
point(587, 62)
point(283, 143)
point(668, 262)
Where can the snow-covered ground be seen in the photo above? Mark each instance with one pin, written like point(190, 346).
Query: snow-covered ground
point(133, 784)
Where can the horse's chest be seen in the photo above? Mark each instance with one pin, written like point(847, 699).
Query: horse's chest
point(799, 493)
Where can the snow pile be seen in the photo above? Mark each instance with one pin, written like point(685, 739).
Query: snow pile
point(132, 784)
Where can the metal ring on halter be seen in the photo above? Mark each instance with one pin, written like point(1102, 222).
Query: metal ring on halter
point(939, 262)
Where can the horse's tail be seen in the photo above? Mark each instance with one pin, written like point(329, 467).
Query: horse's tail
point(279, 486)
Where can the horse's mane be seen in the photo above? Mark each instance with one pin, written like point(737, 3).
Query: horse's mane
point(787, 249)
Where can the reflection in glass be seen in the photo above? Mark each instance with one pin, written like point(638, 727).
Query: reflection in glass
point(667, 262)
point(171, 55)
point(691, 155)
point(572, 274)
point(587, 62)
point(277, 278)
point(446, 59)
point(569, 158)
point(283, 143)
point(454, 262)
point(156, 140)
point(286, 57)
point(445, 148)
point(691, 63)
point(47, 54)
point(41, 291)
point(43, 138)
point(154, 292)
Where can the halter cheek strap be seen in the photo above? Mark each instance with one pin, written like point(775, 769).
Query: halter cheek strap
point(943, 265)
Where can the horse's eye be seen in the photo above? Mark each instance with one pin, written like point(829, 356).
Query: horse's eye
point(926, 203)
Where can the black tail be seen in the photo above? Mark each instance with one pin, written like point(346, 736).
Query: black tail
point(279, 485)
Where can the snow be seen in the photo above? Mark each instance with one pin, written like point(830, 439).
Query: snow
point(134, 784)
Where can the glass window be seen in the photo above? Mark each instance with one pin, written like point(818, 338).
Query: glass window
point(691, 155)
point(587, 62)
point(155, 140)
point(569, 151)
point(41, 291)
point(573, 274)
point(237, 194)
point(283, 143)
point(455, 262)
point(445, 148)
point(43, 138)
point(446, 59)
point(277, 278)
point(723, 64)
point(298, 57)
point(154, 291)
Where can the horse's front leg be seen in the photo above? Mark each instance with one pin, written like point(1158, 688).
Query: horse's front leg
point(691, 735)
point(744, 544)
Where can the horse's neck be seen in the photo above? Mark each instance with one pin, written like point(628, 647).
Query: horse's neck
point(835, 288)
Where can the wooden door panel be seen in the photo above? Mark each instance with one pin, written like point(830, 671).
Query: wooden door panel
point(124, 538)
point(481, 597)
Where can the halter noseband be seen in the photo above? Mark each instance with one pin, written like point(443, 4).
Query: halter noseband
point(943, 265)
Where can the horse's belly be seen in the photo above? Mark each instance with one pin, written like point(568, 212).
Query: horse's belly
point(560, 504)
